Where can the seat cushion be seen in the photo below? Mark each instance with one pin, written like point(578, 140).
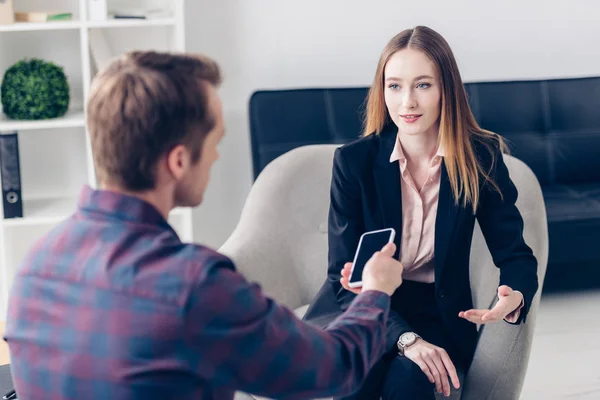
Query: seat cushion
point(573, 221)
point(244, 396)
point(300, 311)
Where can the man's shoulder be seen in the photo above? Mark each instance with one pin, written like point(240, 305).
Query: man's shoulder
point(145, 264)
point(201, 257)
point(46, 249)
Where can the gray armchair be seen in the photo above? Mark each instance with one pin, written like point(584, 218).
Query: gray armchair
point(281, 242)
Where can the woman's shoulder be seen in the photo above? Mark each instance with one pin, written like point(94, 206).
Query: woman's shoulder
point(366, 148)
point(488, 148)
point(358, 152)
point(360, 145)
point(358, 157)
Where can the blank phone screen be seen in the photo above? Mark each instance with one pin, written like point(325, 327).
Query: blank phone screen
point(370, 244)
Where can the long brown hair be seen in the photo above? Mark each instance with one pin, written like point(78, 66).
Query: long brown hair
point(458, 128)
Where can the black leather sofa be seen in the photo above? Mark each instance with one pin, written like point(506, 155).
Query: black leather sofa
point(552, 125)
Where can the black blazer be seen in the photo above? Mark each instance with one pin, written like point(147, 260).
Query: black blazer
point(365, 196)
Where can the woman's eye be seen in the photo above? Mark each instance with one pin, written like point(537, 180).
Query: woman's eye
point(423, 85)
point(394, 86)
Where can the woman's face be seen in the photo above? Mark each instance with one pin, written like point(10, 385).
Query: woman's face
point(413, 92)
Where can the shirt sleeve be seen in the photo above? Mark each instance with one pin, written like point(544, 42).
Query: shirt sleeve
point(502, 227)
point(245, 341)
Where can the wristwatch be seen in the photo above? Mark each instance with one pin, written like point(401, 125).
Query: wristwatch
point(406, 340)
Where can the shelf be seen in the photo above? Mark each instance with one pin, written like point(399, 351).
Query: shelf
point(133, 23)
point(43, 211)
point(40, 26)
point(73, 118)
point(54, 210)
point(62, 25)
point(179, 211)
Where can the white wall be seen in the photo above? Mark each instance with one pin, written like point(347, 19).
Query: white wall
point(309, 43)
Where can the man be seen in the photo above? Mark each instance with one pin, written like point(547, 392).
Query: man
point(112, 305)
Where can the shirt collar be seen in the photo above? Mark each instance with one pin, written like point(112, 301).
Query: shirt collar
point(119, 206)
point(398, 153)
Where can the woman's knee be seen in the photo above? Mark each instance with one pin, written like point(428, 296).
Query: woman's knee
point(405, 380)
point(371, 387)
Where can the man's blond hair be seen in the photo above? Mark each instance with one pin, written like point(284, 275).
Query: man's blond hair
point(143, 105)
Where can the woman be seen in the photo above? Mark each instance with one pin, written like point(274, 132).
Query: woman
point(425, 168)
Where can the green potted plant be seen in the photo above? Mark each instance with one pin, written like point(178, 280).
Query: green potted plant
point(35, 89)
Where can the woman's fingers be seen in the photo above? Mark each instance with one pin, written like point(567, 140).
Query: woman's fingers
point(347, 269)
point(425, 369)
point(344, 282)
point(473, 316)
point(436, 374)
point(436, 364)
point(450, 368)
point(437, 359)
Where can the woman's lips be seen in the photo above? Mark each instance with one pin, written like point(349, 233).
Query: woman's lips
point(410, 118)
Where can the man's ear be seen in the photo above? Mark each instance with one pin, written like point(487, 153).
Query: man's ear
point(178, 161)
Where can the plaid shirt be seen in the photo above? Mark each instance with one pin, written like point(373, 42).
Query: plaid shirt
point(112, 305)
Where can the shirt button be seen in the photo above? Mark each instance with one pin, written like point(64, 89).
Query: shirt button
point(440, 294)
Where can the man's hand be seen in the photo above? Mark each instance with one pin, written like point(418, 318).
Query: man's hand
point(509, 301)
point(382, 272)
point(435, 363)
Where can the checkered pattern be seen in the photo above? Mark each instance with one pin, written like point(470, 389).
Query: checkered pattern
point(112, 305)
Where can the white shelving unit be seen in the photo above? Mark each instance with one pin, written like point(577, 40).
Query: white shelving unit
point(55, 155)
point(46, 26)
point(72, 119)
point(61, 25)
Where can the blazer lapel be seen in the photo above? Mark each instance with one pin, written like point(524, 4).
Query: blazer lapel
point(387, 183)
point(445, 222)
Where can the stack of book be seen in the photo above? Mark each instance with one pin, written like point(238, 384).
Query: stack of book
point(42, 16)
point(7, 12)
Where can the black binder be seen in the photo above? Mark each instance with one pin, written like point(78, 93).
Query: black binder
point(10, 175)
point(6, 384)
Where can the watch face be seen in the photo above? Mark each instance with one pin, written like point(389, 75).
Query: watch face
point(408, 338)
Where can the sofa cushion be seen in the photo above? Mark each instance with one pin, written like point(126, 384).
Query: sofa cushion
point(509, 108)
point(285, 119)
point(573, 104)
point(532, 149)
point(573, 221)
point(575, 157)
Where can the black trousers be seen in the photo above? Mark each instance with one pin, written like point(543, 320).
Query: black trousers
point(397, 377)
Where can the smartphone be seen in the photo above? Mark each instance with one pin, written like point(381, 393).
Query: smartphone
point(369, 244)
